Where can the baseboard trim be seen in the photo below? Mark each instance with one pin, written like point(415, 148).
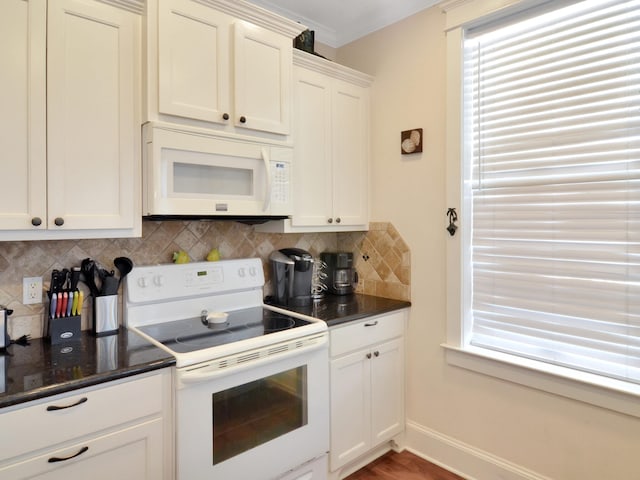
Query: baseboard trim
point(460, 458)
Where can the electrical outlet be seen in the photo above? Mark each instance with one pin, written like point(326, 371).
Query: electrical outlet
point(32, 382)
point(31, 290)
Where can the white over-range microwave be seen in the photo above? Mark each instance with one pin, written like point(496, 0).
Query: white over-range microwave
point(197, 174)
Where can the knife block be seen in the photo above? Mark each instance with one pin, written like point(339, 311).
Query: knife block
point(105, 315)
point(64, 329)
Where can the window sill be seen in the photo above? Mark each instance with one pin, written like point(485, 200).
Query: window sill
point(603, 392)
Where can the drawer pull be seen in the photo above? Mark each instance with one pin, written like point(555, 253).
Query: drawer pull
point(376, 353)
point(52, 408)
point(368, 355)
point(373, 324)
point(64, 459)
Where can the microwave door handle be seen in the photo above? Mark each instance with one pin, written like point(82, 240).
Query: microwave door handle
point(267, 167)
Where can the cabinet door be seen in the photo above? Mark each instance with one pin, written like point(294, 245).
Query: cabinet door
point(23, 119)
point(193, 61)
point(350, 408)
point(387, 390)
point(93, 147)
point(350, 154)
point(134, 453)
point(262, 80)
point(312, 173)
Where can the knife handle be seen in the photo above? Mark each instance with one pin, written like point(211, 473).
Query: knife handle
point(69, 303)
point(80, 302)
point(53, 305)
point(63, 304)
point(74, 304)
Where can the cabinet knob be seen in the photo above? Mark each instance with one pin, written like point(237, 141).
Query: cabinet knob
point(225, 116)
point(338, 220)
point(36, 221)
point(376, 353)
point(368, 355)
point(243, 119)
point(330, 220)
point(59, 221)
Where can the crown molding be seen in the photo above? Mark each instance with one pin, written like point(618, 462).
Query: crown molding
point(327, 67)
point(256, 15)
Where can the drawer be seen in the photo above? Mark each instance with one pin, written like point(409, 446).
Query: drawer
point(43, 423)
point(131, 453)
point(373, 330)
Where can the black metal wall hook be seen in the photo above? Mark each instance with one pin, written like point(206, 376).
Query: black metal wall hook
point(453, 217)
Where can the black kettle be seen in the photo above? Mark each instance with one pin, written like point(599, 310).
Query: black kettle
point(292, 271)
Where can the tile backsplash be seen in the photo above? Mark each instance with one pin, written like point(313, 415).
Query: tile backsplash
point(381, 257)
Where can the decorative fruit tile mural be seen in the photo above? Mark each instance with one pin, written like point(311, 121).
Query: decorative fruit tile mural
point(381, 257)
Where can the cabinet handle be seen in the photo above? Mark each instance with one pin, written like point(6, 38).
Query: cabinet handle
point(368, 355)
point(59, 221)
point(225, 116)
point(330, 220)
point(372, 324)
point(338, 220)
point(36, 221)
point(376, 353)
point(243, 119)
point(64, 459)
point(53, 408)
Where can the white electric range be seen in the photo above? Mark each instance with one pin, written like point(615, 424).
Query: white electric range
point(252, 380)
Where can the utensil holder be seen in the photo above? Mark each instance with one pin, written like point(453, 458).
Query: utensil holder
point(105, 315)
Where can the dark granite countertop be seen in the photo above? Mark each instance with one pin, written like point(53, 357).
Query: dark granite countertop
point(40, 369)
point(339, 309)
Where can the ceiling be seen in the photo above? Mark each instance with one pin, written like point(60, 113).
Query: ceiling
point(338, 22)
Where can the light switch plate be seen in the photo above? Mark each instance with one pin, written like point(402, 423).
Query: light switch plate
point(31, 290)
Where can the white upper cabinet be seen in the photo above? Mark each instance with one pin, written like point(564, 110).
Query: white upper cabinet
point(72, 137)
point(193, 58)
point(223, 66)
point(331, 148)
point(23, 129)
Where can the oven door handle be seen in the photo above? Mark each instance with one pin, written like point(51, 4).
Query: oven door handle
point(213, 370)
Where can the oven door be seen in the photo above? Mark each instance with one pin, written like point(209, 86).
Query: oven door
point(253, 422)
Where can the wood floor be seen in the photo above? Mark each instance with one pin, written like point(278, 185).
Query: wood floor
point(402, 466)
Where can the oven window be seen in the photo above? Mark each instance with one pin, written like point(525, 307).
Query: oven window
point(254, 413)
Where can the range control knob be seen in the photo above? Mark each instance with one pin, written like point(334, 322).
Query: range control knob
point(142, 282)
point(158, 280)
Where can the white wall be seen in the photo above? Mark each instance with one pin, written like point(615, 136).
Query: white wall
point(484, 427)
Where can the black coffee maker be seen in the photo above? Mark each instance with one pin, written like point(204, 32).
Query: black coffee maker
point(292, 271)
point(341, 277)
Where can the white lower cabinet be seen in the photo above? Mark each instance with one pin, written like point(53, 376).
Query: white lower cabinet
point(121, 430)
point(367, 386)
point(125, 454)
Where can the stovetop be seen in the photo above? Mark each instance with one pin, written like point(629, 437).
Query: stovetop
point(191, 334)
point(163, 303)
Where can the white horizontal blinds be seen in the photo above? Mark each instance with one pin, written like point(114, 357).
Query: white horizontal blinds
point(554, 142)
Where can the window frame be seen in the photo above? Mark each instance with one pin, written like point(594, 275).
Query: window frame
point(594, 389)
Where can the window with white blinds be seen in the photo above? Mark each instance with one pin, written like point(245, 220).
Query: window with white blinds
point(552, 141)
